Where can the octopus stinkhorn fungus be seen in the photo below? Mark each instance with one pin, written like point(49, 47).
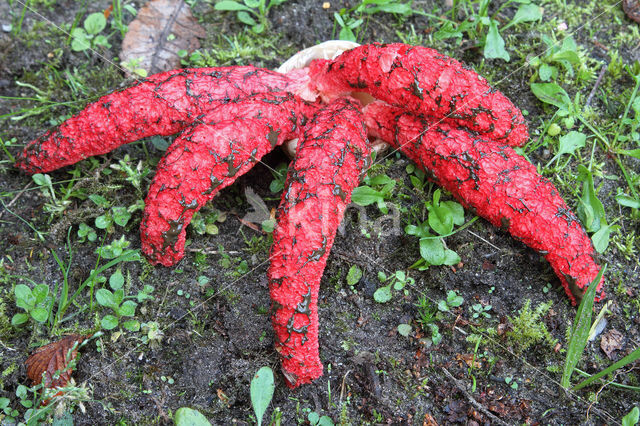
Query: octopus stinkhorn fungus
point(442, 115)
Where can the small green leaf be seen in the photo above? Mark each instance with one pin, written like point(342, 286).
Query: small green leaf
point(19, 319)
point(100, 201)
point(354, 275)
point(448, 30)
point(526, 13)
point(494, 44)
point(109, 322)
point(39, 314)
point(120, 215)
point(95, 23)
point(383, 294)
point(365, 195)
point(453, 299)
point(105, 298)
point(632, 417)
point(261, 390)
point(128, 308)
point(103, 221)
point(451, 258)
point(546, 72)
point(601, 238)
point(627, 201)
point(590, 210)
point(432, 250)
point(552, 93)
point(40, 292)
point(245, 18)
point(404, 329)
point(131, 325)
point(116, 280)
point(632, 152)
point(189, 417)
point(230, 5)
point(570, 142)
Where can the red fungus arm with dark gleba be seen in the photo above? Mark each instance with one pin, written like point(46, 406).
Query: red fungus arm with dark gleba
point(439, 113)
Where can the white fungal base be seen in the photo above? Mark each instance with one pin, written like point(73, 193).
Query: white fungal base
point(327, 50)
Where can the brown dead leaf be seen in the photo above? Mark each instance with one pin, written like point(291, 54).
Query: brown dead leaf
point(611, 341)
point(469, 360)
point(161, 29)
point(52, 358)
point(429, 420)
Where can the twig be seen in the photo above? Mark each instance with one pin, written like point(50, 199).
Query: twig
point(473, 402)
point(603, 70)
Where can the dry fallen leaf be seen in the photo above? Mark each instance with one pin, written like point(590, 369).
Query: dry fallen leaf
point(161, 29)
point(52, 358)
point(611, 341)
point(469, 360)
point(429, 420)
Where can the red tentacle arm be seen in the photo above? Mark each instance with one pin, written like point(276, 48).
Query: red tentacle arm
point(494, 181)
point(423, 81)
point(330, 161)
point(163, 104)
point(209, 157)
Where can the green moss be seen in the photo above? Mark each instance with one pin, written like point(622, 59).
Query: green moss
point(529, 329)
point(6, 329)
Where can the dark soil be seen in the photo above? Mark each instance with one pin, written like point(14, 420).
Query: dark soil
point(217, 335)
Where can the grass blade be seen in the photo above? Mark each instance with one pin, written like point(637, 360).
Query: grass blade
point(632, 357)
point(580, 332)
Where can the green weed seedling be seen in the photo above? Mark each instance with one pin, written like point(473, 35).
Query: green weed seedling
point(398, 281)
point(427, 316)
point(316, 420)
point(115, 249)
point(479, 311)
point(86, 233)
point(591, 212)
point(279, 177)
point(115, 215)
point(134, 174)
point(261, 390)
point(253, 13)
point(34, 301)
point(374, 190)
point(11, 414)
point(350, 20)
point(89, 37)
point(121, 305)
point(442, 218)
point(205, 221)
point(152, 334)
point(453, 300)
point(563, 54)
point(54, 204)
point(485, 29)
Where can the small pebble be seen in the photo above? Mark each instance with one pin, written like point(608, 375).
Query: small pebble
point(326, 5)
point(6, 28)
